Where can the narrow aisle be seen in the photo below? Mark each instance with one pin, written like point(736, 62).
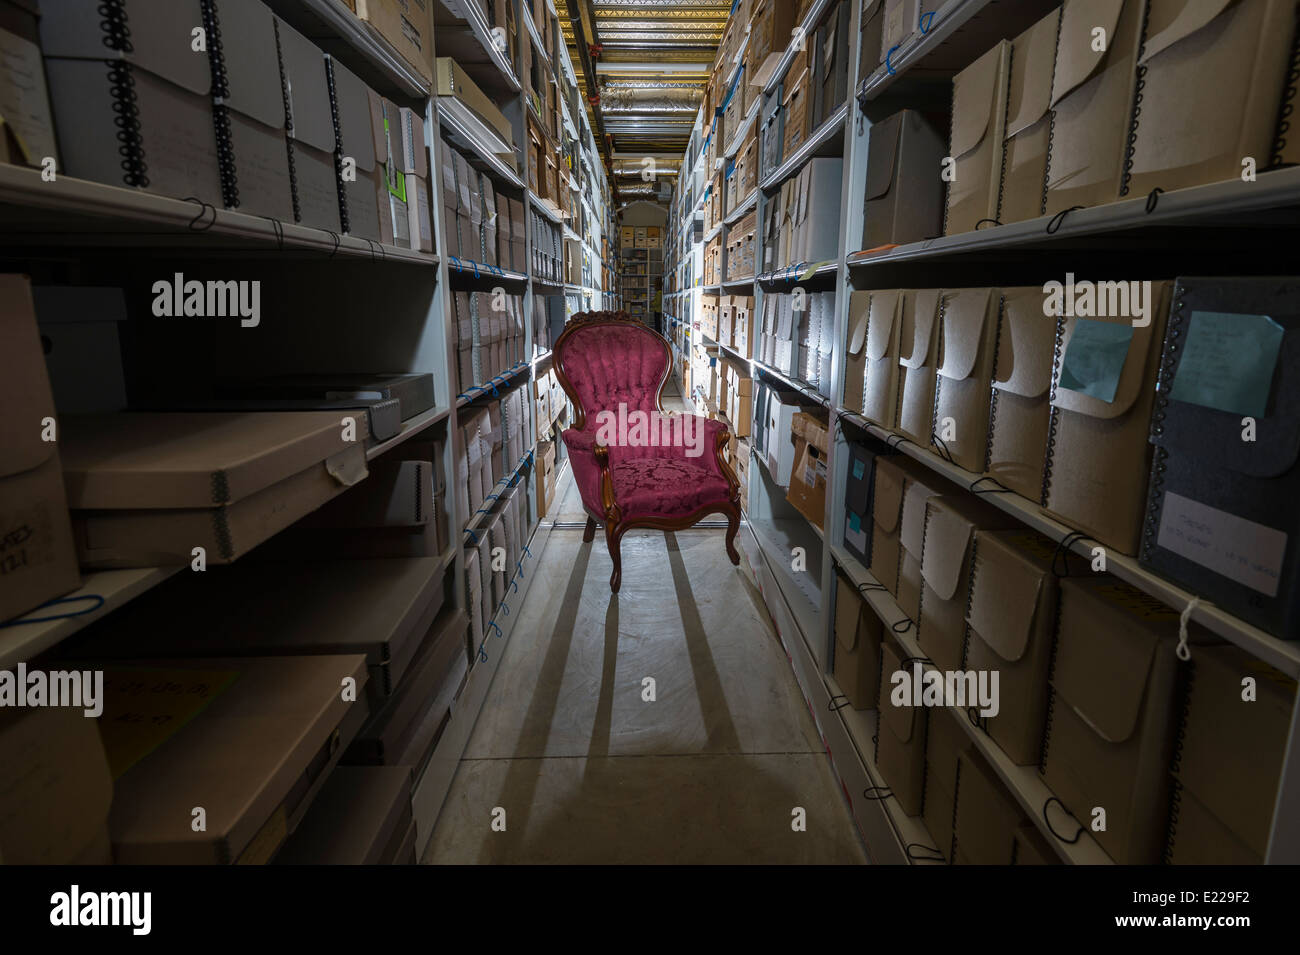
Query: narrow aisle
point(589, 770)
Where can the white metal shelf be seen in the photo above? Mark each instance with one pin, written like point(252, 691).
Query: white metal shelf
point(1282, 654)
point(77, 212)
point(748, 204)
point(1218, 202)
point(466, 134)
point(818, 139)
point(739, 136)
point(475, 17)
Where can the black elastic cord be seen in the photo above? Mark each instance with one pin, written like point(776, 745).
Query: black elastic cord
point(204, 208)
point(1153, 199)
point(907, 625)
point(870, 588)
point(877, 792)
point(943, 448)
point(990, 221)
point(1056, 220)
point(837, 702)
point(278, 228)
point(1000, 489)
point(937, 856)
point(1055, 799)
point(1063, 551)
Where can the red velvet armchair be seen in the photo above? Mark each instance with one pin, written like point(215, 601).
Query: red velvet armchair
point(636, 466)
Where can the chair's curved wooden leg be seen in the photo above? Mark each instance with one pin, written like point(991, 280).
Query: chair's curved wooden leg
point(589, 534)
point(613, 537)
point(733, 525)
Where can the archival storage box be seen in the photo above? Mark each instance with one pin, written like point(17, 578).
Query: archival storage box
point(1095, 475)
point(945, 742)
point(405, 25)
point(379, 608)
point(360, 817)
point(950, 524)
point(407, 728)
point(858, 632)
point(1225, 479)
point(859, 494)
point(26, 121)
point(900, 738)
point(360, 188)
point(894, 473)
point(1019, 407)
point(250, 741)
point(1093, 94)
point(904, 195)
point(136, 67)
point(976, 141)
point(306, 89)
point(918, 334)
point(1011, 622)
point(1232, 740)
point(986, 817)
point(1109, 732)
point(146, 488)
point(881, 363)
point(39, 561)
point(1029, 121)
point(922, 486)
point(1225, 63)
point(968, 327)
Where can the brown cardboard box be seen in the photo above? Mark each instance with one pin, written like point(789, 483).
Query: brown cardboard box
point(769, 36)
point(951, 521)
point(1228, 63)
point(795, 94)
point(405, 25)
point(1096, 470)
point(967, 339)
point(1230, 752)
point(1020, 409)
point(881, 359)
point(1110, 714)
point(987, 817)
point(900, 737)
point(904, 194)
point(1029, 121)
point(147, 487)
point(887, 509)
point(55, 801)
point(979, 102)
point(856, 354)
point(39, 560)
point(917, 354)
point(944, 744)
point(807, 491)
point(1201, 838)
point(1092, 101)
point(1011, 623)
point(250, 742)
point(858, 632)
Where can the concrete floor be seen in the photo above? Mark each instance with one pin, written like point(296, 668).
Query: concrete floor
point(588, 770)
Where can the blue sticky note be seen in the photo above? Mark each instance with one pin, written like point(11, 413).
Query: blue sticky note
point(859, 469)
point(855, 522)
point(1228, 362)
point(1094, 359)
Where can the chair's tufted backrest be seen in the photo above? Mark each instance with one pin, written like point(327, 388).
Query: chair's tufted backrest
point(607, 361)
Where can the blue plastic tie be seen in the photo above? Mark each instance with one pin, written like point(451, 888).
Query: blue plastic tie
point(98, 602)
point(482, 652)
point(472, 535)
point(926, 20)
point(889, 67)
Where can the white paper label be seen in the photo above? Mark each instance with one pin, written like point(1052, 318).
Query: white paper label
point(1241, 550)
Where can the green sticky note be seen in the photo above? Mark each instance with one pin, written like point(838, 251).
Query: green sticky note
point(859, 469)
point(1095, 357)
point(1228, 362)
point(855, 522)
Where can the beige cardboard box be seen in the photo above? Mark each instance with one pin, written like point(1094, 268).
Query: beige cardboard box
point(1227, 64)
point(856, 352)
point(1097, 468)
point(880, 362)
point(987, 815)
point(887, 509)
point(858, 632)
point(979, 102)
point(1029, 121)
point(146, 488)
point(1011, 623)
point(360, 206)
point(921, 487)
point(950, 524)
point(1020, 409)
point(1200, 838)
point(1230, 751)
point(1092, 101)
point(311, 138)
point(55, 802)
point(904, 196)
point(900, 738)
point(968, 337)
point(253, 757)
point(405, 25)
point(1110, 713)
point(807, 490)
point(917, 355)
point(38, 561)
point(944, 745)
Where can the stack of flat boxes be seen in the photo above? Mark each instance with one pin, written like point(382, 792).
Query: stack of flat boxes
point(741, 244)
